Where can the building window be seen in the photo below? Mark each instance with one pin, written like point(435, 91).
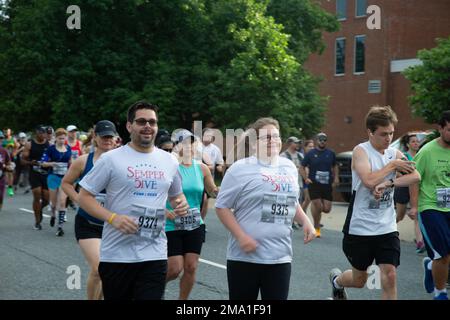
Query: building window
point(360, 49)
point(341, 9)
point(340, 56)
point(361, 7)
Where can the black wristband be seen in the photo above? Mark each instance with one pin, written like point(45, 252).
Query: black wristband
point(392, 183)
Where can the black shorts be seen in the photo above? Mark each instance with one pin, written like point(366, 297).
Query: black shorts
point(320, 191)
point(401, 195)
point(361, 251)
point(38, 180)
point(133, 281)
point(84, 229)
point(181, 242)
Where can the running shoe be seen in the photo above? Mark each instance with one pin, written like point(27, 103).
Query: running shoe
point(10, 191)
point(317, 232)
point(60, 232)
point(428, 282)
point(441, 296)
point(37, 226)
point(336, 294)
point(420, 247)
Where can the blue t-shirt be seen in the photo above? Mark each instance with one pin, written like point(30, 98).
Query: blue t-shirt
point(320, 163)
point(53, 155)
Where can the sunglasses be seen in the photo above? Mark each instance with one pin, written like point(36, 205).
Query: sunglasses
point(142, 122)
point(322, 140)
point(168, 150)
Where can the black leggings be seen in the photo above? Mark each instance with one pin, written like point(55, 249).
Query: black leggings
point(246, 279)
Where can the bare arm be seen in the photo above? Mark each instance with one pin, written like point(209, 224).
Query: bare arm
point(179, 204)
point(304, 172)
point(210, 186)
point(361, 164)
point(75, 171)
point(335, 171)
point(308, 229)
point(26, 154)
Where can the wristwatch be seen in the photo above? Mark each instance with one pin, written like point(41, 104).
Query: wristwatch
point(392, 183)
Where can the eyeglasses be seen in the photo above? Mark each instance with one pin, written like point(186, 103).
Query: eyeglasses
point(168, 150)
point(322, 140)
point(142, 122)
point(267, 138)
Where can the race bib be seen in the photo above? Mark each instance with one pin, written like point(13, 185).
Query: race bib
point(323, 177)
point(74, 154)
point(188, 222)
point(39, 169)
point(101, 198)
point(443, 197)
point(384, 202)
point(60, 168)
point(278, 208)
point(150, 221)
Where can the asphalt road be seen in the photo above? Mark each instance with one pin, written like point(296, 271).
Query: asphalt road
point(37, 264)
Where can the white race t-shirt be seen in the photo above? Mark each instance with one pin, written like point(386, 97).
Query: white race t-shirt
point(137, 184)
point(264, 198)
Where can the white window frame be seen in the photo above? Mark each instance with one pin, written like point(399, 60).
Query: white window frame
point(335, 60)
point(345, 13)
point(354, 54)
point(356, 10)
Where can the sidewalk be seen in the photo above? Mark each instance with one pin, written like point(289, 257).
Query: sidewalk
point(336, 218)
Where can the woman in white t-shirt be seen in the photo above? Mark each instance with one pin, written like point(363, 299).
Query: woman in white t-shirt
point(257, 203)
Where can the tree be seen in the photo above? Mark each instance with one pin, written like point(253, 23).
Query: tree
point(226, 61)
point(430, 82)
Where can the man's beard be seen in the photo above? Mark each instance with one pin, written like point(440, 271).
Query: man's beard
point(136, 138)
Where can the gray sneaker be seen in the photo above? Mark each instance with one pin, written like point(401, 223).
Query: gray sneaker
point(337, 294)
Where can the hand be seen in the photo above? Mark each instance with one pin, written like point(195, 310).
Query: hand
point(170, 215)
point(34, 163)
point(247, 243)
point(308, 181)
point(181, 208)
point(309, 233)
point(379, 189)
point(404, 166)
point(412, 213)
point(335, 183)
point(125, 224)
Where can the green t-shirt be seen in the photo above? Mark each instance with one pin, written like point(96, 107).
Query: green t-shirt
point(433, 164)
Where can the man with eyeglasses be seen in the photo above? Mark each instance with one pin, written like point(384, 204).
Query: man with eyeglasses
point(138, 179)
point(320, 171)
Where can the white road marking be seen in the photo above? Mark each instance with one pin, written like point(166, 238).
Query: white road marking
point(221, 266)
point(31, 211)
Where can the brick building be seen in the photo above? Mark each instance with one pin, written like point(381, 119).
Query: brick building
point(362, 67)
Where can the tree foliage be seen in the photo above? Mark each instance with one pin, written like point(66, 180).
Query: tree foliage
point(226, 61)
point(430, 82)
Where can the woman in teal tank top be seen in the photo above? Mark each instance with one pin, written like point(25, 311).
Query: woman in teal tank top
point(186, 234)
point(411, 144)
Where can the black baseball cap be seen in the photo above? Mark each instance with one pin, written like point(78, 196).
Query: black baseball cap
point(41, 128)
point(105, 128)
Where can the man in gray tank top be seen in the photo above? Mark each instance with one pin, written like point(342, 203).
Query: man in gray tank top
point(370, 229)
